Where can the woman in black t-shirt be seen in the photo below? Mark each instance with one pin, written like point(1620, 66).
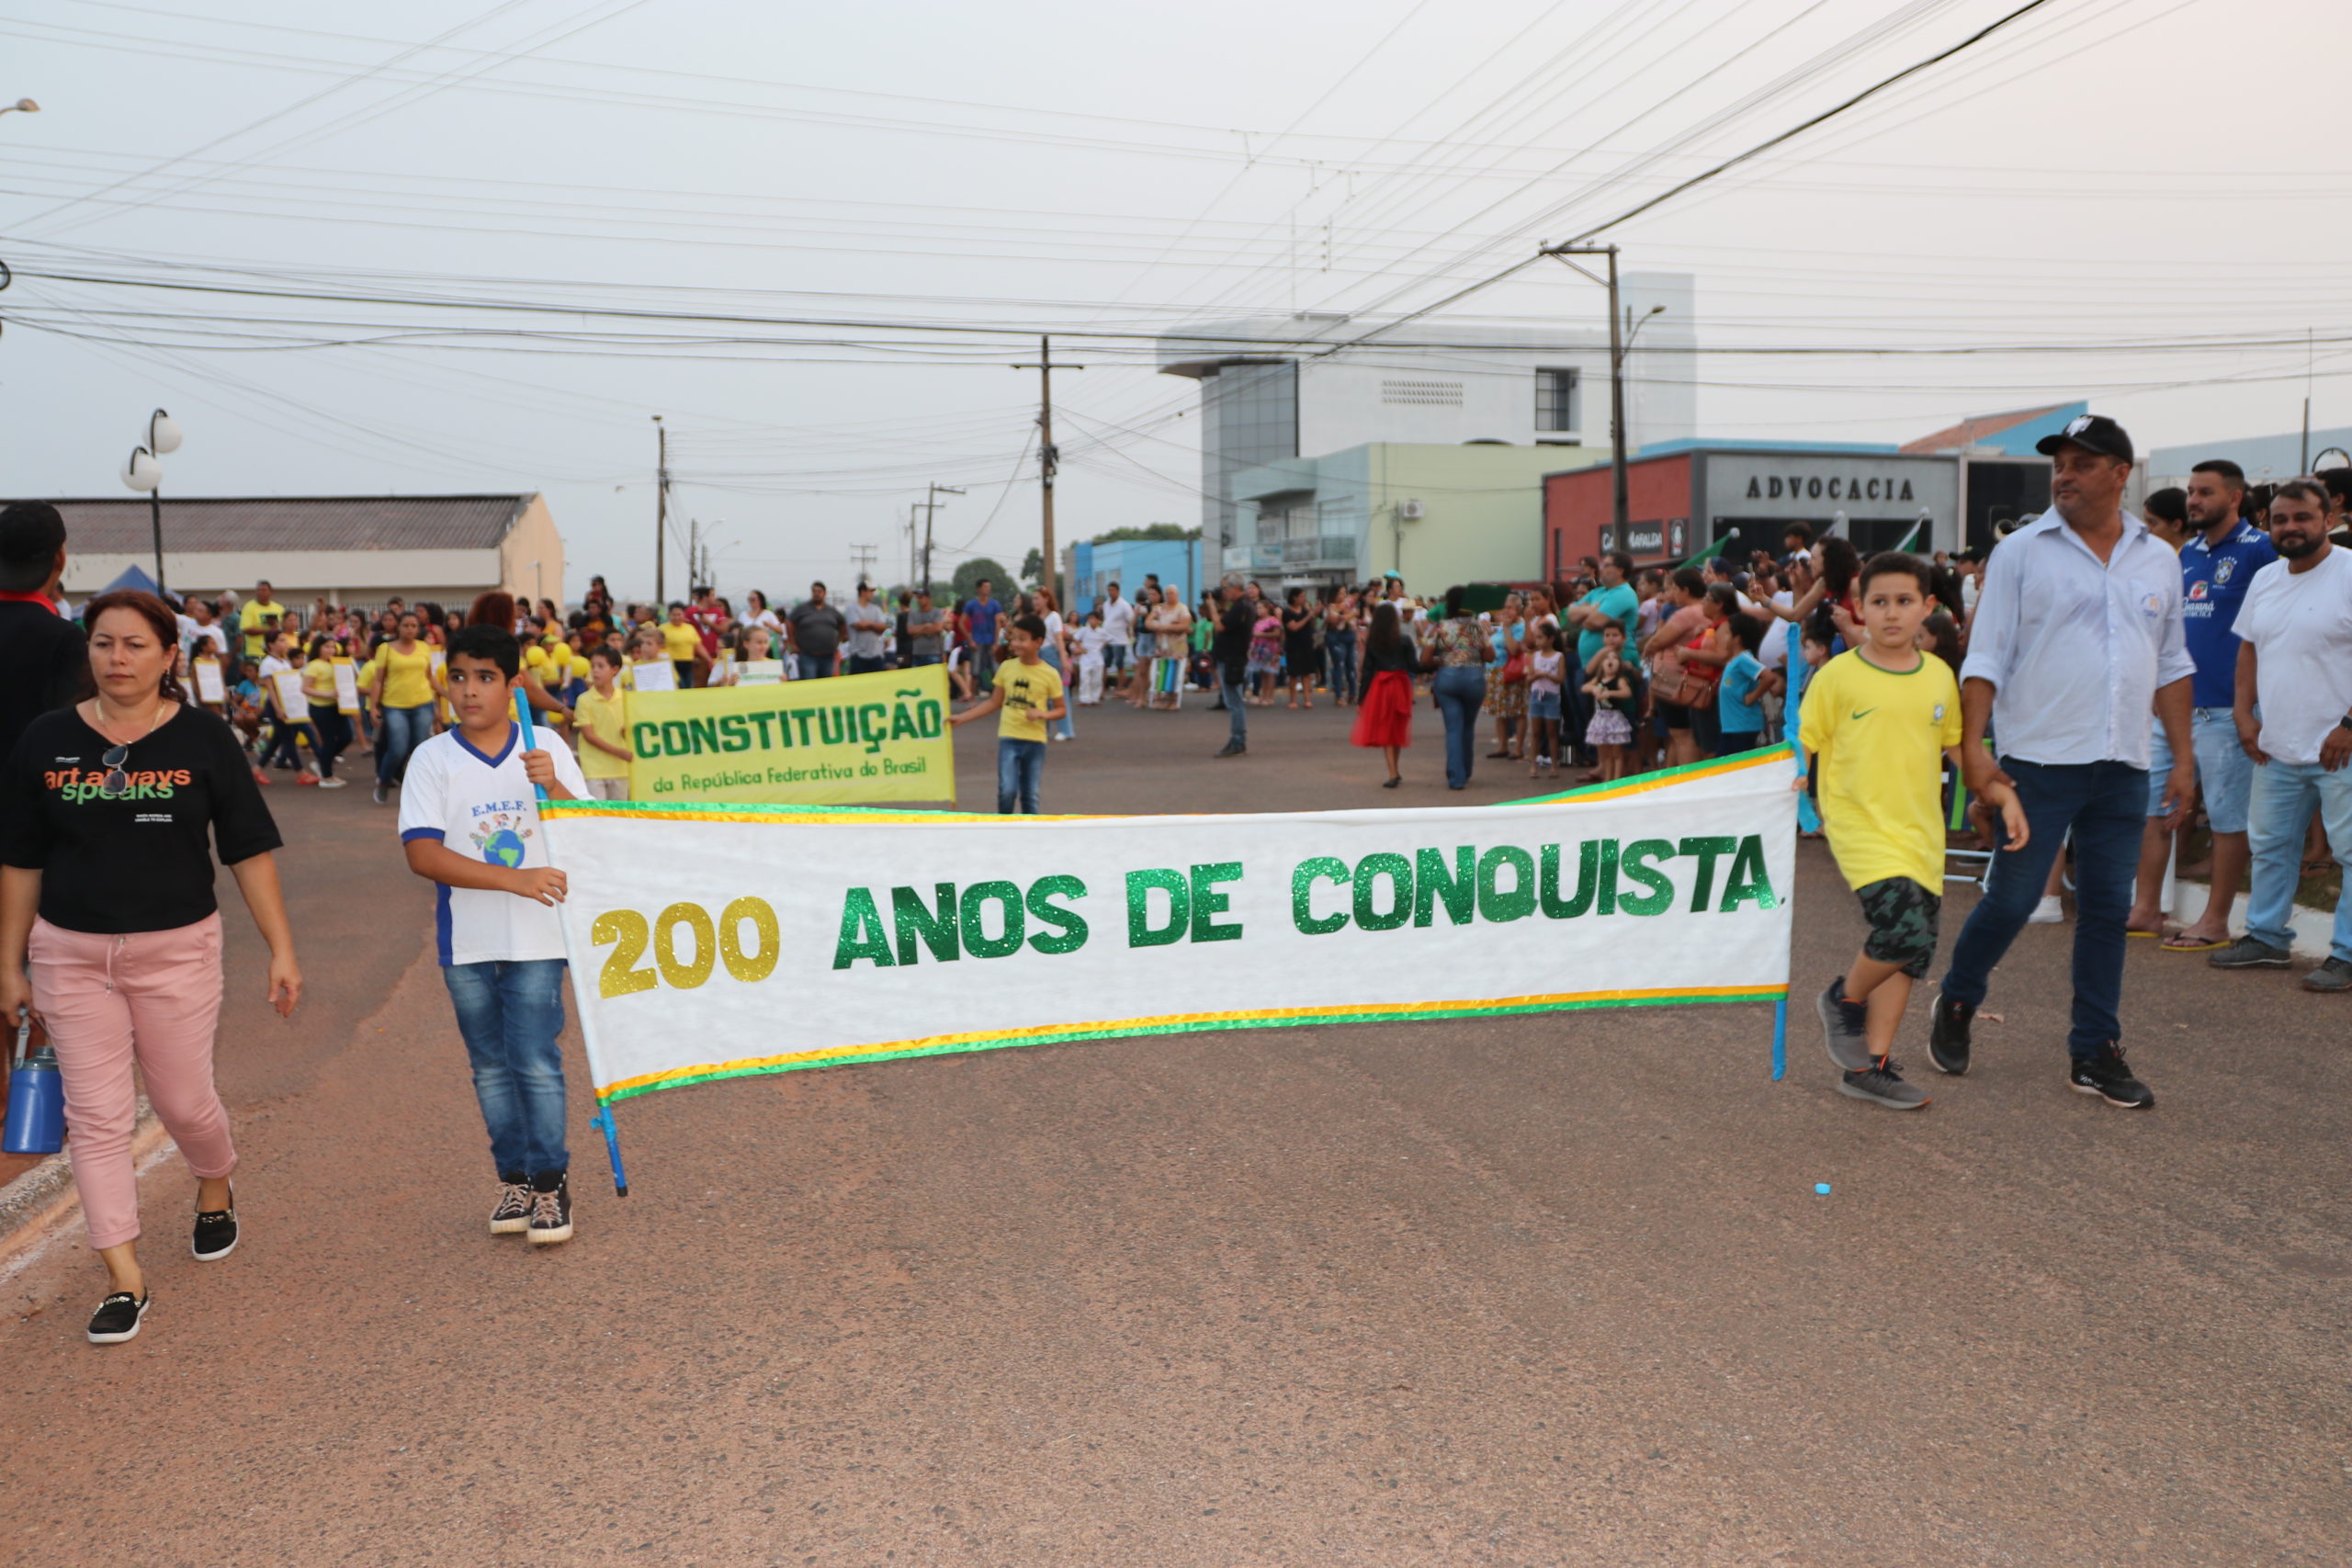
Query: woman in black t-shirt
point(106, 886)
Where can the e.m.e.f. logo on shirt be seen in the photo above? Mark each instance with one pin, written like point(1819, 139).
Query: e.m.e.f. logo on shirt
point(78, 784)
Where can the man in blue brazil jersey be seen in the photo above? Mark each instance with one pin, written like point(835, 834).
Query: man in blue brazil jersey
point(2217, 565)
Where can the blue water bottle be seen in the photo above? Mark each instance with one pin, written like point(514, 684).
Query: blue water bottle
point(36, 1100)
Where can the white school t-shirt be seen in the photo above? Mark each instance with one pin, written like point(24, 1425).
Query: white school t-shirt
point(2300, 627)
point(485, 809)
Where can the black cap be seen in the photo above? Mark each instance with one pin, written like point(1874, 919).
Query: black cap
point(32, 533)
point(2091, 432)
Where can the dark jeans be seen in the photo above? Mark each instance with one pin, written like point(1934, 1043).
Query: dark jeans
point(863, 664)
point(330, 733)
point(2105, 805)
point(1461, 692)
point(1229, 678)
point(1577, 717)
point(983, 666)
point(807, 667)
point(404, 730)
point(1020, 769)
point(284, 738)
point(509, 1015)
point(1341, 651)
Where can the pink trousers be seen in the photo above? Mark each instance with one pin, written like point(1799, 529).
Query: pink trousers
point(151, 996)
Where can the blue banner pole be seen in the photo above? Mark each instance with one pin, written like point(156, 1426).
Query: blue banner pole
point(1780, 1039)
point(603, 1120)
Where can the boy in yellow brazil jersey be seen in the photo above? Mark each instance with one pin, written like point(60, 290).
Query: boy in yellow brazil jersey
point(1878, 721)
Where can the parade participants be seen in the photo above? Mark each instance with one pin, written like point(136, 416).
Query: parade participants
point(2077, 635)
point(2293, 712)
point(981, 612)
point(818, 629)
point(1547, 671)
point(1231, 651)
point(1457, 649)
point(926, 631)
point(469, 822)
point(1385, 717)
point(600, 715)
point(287, 723)
point(1119, 631)
point(1299, 657)
point(107, 888)
point(401, 687)
point(1675, 691)
point(2217, 565)
point(708, 614)
point(1028, 694)
point(869, 622)
point(681, 645)
point(330, 730)
point(1878, 723)
point(2166, 511)
point(252, 621)
point(45, 655)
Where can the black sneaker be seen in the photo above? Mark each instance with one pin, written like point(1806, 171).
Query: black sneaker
point(2106, 1076)
point(216, 1233)
point(513, 1215)
point(1231, 751)
point(1845, 1025)
point(384, 796)
point(1881, 1084)
point(1948, 1023)
point(117, 1316)
point(550, 1215)
point(2250, 952)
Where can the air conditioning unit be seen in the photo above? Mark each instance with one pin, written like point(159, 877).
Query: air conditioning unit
point(1410, 510)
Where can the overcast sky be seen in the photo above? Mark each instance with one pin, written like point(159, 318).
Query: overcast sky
point(2137, 202)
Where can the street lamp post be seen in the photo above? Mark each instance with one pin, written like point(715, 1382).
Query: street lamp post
point(143, 471)
point(22, 106)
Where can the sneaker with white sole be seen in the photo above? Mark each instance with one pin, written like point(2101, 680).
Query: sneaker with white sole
point(216, 1233)
point(2048, 912)
point(332, 784)
point(2333, 976)
point(2250, 952)
point(2106, 1076)
point(384, 794)
point(513, 1215)
point(550, 1215)
point(117, 1317)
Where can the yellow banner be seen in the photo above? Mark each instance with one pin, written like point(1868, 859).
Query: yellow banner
point(849, 740)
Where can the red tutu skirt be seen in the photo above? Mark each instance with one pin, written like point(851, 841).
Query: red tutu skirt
point(1385, 717)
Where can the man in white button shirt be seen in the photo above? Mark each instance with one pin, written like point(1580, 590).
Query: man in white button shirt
point(2295, 659)
point(2077, 635)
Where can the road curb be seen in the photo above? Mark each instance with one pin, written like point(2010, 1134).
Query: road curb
point(37, 1202)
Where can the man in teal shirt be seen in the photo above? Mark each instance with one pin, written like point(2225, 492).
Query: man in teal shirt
point(1615, 601)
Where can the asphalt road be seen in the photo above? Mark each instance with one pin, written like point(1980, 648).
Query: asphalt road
point(1539, 1291)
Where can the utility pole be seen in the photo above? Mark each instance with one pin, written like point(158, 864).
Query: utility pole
point(1621, 342)
point(930, 516)
point(1048, 460)
point(660, 512)
point(861, 558)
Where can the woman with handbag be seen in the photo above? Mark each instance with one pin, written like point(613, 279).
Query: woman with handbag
point(1506, 677)
point(1679, 693)
point(106, 888)
point(1459, 648)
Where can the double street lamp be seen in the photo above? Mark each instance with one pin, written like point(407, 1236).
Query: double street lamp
point(143, 471)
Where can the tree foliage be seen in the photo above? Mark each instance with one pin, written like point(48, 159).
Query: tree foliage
point(968, 575)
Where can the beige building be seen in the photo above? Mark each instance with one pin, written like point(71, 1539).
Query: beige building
point(356, 550)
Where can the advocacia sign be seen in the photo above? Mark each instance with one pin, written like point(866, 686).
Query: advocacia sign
point(845, 741)
point(713, 942)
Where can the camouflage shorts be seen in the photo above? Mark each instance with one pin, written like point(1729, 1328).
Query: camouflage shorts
point(1903, 923)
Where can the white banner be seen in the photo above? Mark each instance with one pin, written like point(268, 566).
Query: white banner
point(716, 940)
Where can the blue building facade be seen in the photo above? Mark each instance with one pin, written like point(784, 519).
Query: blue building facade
point(1093, 567)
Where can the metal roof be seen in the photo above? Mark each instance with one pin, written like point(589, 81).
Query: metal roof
point(203, 524)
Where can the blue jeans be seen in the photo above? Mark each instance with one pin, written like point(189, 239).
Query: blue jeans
point(1230, 681)
point(2285, 793)
point(1461, 692)
point(404, 730)
point(509, 1014)
point(285, 743)
point(1020, 768)
point(983, 666)
point(807, 667)
point(2102, 804)
point(1341, 648)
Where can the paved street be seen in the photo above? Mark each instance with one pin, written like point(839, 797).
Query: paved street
point(1529, 1291)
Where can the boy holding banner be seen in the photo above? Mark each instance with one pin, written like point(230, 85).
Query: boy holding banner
point(1879, 720)
point(1029, 692)
point(468, 821)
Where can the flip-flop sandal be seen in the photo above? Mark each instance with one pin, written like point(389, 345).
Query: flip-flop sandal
point(2129, 932)
point(2174, 944)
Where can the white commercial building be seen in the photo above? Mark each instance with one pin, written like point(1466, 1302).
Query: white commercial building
point(1277, 386)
